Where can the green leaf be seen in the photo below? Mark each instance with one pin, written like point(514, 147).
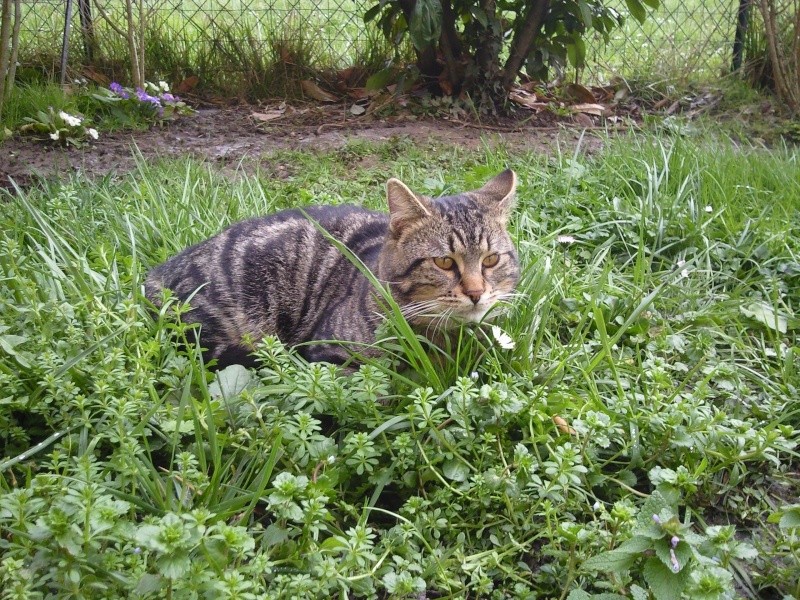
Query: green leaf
point(639, 593)
point(654, 4)
point(426, 23)
point(480, 15)
point(381, 79)
point(652, 506)
point(586, 13)
point(372, 13)
point(664, 584)
point(576, 52)
point(637, 10)
point(683, 553)
point(765, 314)
point(788, 518)
point(149, 584)
point(577, 594)
point(455, 470)
point(230, 382)
point(613, 560)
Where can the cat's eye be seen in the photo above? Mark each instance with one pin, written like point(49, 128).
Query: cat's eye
point(491, 260)
point(444, 262)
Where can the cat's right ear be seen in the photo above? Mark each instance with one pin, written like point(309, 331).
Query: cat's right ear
point(405, 207)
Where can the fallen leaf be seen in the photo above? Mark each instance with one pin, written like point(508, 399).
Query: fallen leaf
point(269, 115)
point(312, 90)
point(582, 120)
point(357, 109)
point(187, 85)
point(360, 93)
point(590, 109)
point(579, 93)
point(563, 426)
point(95, 76)
point(526, 99)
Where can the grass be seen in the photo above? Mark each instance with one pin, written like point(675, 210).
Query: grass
point(654, 373)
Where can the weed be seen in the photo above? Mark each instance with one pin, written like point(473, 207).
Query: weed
point(648, 367)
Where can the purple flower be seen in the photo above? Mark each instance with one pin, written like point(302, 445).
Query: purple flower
point(656, 520)
point(167, 97)
point(119, 90)
point(145, 97)
point(675, 541)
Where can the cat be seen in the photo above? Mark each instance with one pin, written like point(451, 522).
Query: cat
point(447, 259)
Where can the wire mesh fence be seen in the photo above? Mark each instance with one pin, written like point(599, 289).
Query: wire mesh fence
point(683, 39)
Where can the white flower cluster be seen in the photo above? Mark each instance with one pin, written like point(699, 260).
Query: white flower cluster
point(69, 119)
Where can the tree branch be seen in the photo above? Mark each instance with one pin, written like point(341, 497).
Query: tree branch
point(523, 40)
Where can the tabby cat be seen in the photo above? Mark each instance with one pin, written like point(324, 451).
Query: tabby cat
point(445, 259)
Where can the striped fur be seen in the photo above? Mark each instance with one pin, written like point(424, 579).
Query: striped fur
point(278, 275)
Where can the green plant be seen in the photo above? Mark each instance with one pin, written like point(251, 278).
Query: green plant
point(59, 128)
point(471, 37)
point(153, 103)
point(649, 366)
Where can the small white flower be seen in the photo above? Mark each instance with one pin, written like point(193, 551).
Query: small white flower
point(597, 505)
point(681, 263)
point(163, 85)
point(474, 376)
point(685, 273)
point(92, 133)
point(709, 209)
point(565, 239)
point(331, 459)
point(54, 136)
point(69, 119)
point(502, 338)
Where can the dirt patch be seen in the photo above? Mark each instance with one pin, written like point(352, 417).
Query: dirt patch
point(230, 137)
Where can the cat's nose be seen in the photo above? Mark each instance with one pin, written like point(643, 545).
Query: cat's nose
point(474, 295)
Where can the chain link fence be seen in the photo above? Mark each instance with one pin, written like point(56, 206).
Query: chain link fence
point(684, 39)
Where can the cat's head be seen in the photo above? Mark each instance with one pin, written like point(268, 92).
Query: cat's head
point(450, 257)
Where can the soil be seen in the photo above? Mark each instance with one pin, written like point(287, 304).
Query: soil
point(232, 138)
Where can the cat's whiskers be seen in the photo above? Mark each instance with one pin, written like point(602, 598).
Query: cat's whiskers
point(416, 309)
point(438, 323)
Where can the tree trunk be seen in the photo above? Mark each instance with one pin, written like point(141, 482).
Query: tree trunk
point(523, 40)
point(6, 16)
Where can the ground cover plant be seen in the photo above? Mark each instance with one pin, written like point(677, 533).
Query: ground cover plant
point(628, 430)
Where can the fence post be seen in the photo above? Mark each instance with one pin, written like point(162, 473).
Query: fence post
point(65, 42)
point(87, 29)
point(743, 17)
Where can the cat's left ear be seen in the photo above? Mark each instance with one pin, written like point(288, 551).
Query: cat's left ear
point(498, 193)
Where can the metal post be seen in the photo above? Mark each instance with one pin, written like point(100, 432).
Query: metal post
point(65, 43)
point(741, 30)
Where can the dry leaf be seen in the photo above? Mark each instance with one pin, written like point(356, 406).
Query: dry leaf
point(95, 76)
point(591, 109)
point(661, 103)
point(269, 115)
point(579, 93)
point(312, 90)
point(187, 85)
point(563, 426)
point(526, 99)
point(360, 93)
point(582, 120)
point(357, 109)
